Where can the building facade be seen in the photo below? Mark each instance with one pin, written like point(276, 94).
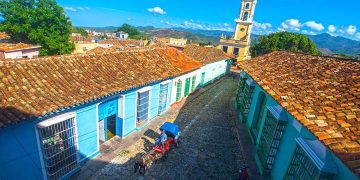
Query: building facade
point(239, 44)
point(303, 126)
point(68, 106)
point(18, 51)
point(122, 35)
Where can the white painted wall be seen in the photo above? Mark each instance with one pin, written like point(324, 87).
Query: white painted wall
point(183, 79)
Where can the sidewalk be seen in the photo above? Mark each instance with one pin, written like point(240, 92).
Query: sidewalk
point(112, 148)
point(247, 149)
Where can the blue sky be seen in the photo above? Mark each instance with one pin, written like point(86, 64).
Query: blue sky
point(304, 16)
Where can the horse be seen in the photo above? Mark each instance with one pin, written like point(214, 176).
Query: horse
point(146, 161)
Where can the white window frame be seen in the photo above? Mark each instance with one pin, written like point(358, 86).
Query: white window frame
point(52, 121)
point(142, 90)
point(168, 83)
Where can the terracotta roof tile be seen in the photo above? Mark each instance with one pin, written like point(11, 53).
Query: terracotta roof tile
point(117, 42)
point(321, 92)
point(3, 35)
point(31, 88)
point(12, 47)
point(205, 54)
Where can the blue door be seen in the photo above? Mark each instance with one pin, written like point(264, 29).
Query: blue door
point(163, 97)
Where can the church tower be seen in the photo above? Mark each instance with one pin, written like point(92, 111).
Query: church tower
point(239, 44)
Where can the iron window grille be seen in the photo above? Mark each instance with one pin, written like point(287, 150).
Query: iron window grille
point(163, 97)
point(311, 160)
point(274, 128)
point(58, 143)
point(245, 99)
point(193, 81)
point(178, 90)
point(143, 106)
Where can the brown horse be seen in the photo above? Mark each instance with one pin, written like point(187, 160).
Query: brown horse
point(146, 161)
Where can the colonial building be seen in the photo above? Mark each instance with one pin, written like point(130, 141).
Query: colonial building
point(122, 35)
point(55, 112)
point(19, 50)
point(302, 113)
point(174, 42)
point(239, 44)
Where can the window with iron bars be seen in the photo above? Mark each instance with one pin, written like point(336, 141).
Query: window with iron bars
point(193, 82)
point(270, 141)
point(302, 167)
point(143, 106)
point(59, 149)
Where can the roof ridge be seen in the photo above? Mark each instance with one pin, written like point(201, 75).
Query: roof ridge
point(43, 58)
point(317, 55)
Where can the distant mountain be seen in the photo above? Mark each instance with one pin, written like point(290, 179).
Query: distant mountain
point(174, 33)
point(326, 43)
point(337, 45)
point(101, 29)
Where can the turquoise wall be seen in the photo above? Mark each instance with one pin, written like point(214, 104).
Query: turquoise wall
point(87, 132)
point(129, 113)
point(287, 146)
point(154, 108)
point(19, 153)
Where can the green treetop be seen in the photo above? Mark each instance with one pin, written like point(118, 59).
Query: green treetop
point(40, 22)
point(283, 41)
point(133, 32)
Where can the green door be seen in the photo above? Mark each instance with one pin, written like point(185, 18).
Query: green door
point(202, 79)
point(187, 87)
point(193, 81)
point(178, 90)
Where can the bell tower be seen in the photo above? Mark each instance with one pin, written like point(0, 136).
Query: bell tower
point(239, 44)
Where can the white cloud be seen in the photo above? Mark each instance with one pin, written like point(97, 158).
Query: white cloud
point(351, 30)
point(263, 26)
point(291, 24)
point(203, 26)
point(192, 25)
point(332, 28)
point(129, 19)
point(157, 10)
point(70, 9)
point(74, 9)
point(357, 36)
point(314, 25)
point(281, 29)
point(305, 31)
point(226, 24)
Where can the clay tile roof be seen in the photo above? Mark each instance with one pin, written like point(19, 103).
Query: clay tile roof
point(205, 54)
point(323, 93)
point(13, 47)
point(32, 88)
point(79, 38)
point(3, 35)
point(99, 50)
point(118, 42)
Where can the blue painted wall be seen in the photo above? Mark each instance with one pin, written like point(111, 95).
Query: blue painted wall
point(87, 132)
point(154, 106)
point(287, 146)
point(130, 113)
point(19, 153)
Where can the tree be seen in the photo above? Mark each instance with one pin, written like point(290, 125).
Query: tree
point(40, 22)
point(133, 32)
point(81, 31)
point(283, 41)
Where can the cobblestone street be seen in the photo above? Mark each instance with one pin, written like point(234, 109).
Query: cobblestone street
point(208, 147)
